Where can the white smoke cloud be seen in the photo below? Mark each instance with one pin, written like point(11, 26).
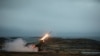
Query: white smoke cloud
point(18, 45)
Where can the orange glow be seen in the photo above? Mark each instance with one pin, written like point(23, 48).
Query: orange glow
point(45, 36)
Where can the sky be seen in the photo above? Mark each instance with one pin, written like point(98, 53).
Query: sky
point(62, 17)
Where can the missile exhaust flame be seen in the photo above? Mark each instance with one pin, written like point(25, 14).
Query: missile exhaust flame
point(44, 37)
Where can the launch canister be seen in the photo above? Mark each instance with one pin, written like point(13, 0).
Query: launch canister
point(39, 45)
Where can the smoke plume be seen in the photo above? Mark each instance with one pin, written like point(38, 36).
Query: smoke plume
point(18, 45)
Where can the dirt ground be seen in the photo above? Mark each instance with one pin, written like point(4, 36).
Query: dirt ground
point(35, 54)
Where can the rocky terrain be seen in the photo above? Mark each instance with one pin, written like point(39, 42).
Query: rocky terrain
point(60, 47)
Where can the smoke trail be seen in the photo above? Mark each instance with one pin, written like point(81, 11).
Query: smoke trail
point(18, 45)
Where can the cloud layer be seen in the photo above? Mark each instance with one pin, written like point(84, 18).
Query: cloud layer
point(51, 15)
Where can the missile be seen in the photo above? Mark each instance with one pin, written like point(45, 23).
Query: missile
point(42, 40)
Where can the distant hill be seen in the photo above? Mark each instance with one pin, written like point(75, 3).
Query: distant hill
point(77, 44)
point(58, 43)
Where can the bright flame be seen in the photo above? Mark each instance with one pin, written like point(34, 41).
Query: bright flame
point(45, 36)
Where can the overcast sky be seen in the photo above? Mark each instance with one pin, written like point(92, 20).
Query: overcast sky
point(62, 17)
